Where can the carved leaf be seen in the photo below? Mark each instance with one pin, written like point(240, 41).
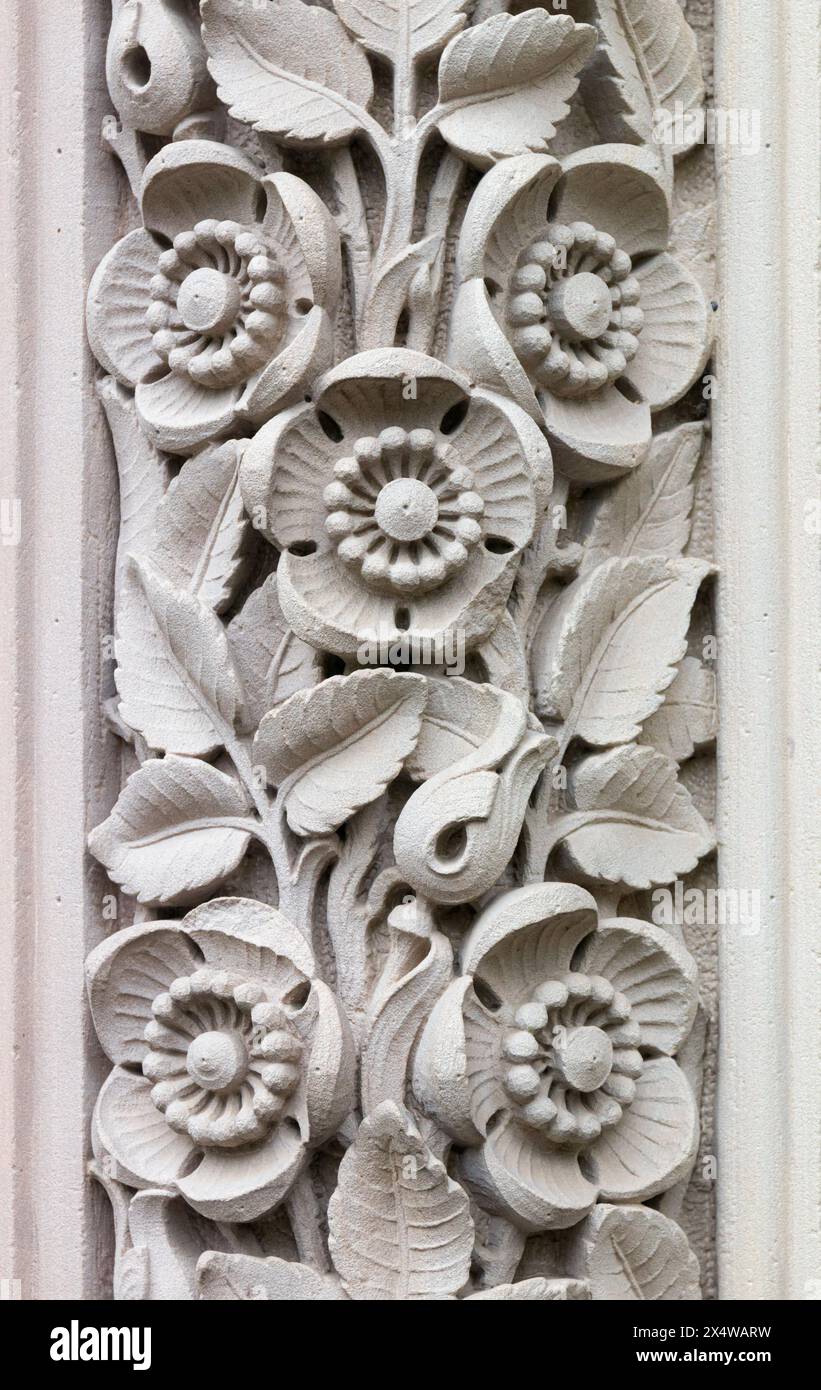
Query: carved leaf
point(419, 27)
point(393, 284)
point(636, 1253)
point(287, 68)
point(334, 749)
point(644, 829)
point(648, 62)
point(506, 84)
point(459, 717)
point(503, 658)
point(178, 829)
point(248, 1278)
point(176, 681)
point(535, 1291)
point(400, 1228)
point(610, 645)
point(689, 715)
point(271, 661)
point(402, 1002)
point(143, 476)
point(648, 512)
point(202, 530)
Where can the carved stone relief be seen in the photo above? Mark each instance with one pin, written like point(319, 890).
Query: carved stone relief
point(403, 679)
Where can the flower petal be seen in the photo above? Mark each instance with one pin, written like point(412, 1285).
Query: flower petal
point(178, 415)
point(654, 1143)
point(118, 300)
point(536, 1187)
point(331, 1069)
point(505, 451)
point(284, 380)
point(455, 1073)
point(240, 934)
point(597, 438)
point(656, 973)
point(244, 1184)
point(327, 606)
point(524, 936)
point(314, 232)
point(129, 1127)
point(372, 390)
point(285, 470)
point(478, 346)
point(676, 338)
point(617, 189)
point(191, 181)
point(125, 973)
point(470, 605)
point(507, 212)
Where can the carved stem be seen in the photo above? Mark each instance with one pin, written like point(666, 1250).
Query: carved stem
point(395, 272)
point(390, 278)
point(270, 829)
point(443, 195)
point(353, 226)
point(306, 1223)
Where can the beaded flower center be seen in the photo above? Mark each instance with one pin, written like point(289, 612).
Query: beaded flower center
point(574, 310)
point(400, 514)
point(570, 1061)
point(224, 1059)
point(218, 305)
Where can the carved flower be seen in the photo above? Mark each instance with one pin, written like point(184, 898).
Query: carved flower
point(218, 309)
point(551, 1057)
point(400, 498)
point(570, 303)
point(231, 1059)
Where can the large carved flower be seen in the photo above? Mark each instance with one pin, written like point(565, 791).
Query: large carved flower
point(551, 1057)
point(570, 303)
point(217, 310)
point(400, 499)
point(231, 1060)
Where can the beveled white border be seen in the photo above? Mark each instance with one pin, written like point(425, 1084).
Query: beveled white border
point(768, 438)
point(58, 215)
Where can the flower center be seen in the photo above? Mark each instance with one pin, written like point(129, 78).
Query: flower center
point(571, 1059)
point(406, 509)
point(580, 307)
point(584, 1059)
point(573, 310)
point(208, 301)
point(219, 304)
point(217, 1061)
point(403, 511)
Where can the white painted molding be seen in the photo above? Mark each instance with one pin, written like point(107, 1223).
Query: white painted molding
point(58, 215)
point(767, 459)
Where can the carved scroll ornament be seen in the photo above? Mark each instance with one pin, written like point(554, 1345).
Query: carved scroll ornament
point(399, 737)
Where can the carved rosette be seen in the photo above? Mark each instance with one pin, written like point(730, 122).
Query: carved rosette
point(403, 758)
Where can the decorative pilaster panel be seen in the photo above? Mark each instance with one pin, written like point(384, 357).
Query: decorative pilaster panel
point(396, 357)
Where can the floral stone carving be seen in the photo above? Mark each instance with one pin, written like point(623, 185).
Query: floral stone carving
point(403, 595)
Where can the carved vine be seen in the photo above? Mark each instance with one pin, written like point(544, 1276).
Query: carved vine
point(367, 677)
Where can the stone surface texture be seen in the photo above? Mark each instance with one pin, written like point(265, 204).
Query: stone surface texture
point(407, 651)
